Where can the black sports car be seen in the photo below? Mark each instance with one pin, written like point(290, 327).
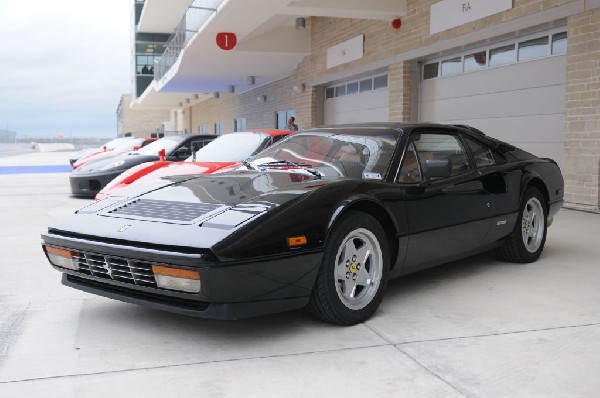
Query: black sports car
point(91, 177)
point(322, 220)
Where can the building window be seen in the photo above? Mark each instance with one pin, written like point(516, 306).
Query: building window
point(451, 66)
point(535, 48)
point(239, 124)
point(357, 86)
point(352, 88)
point(430, 71)
point(201, 129)
point(503, 55)
point(475, 61)
point(366, 85)
point(559, 43)
point(380, 82)
point(218, 128)
point(283, 117)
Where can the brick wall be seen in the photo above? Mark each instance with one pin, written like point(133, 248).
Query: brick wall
point(140, 123)
point(582, 115)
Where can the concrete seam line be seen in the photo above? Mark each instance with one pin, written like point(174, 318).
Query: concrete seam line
point(458, 390)
point(499, 334)
point(190, 364)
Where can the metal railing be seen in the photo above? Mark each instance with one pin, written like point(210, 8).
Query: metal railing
point(198, 12)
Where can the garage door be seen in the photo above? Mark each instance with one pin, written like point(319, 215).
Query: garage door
point(359, 100)
point(512, 91)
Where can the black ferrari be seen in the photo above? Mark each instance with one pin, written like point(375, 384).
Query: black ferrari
point(91, 177)
point(321, 220)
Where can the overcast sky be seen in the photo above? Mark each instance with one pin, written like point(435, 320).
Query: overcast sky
point(64, 65)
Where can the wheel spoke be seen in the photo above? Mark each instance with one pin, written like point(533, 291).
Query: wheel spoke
point(363, 254)
point(340, 271)
point(353, 292)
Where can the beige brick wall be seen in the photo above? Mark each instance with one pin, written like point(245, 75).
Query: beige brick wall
point(140, 123)
point(582, 114)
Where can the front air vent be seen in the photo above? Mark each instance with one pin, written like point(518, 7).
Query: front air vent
point(148, 209)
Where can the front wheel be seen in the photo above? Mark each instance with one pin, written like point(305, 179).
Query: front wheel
point(527, 240)
point(354, 271)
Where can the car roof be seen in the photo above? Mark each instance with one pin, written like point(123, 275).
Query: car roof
point(392, 128)
point(272, 132)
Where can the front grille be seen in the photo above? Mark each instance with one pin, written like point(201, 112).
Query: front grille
point(163, 210)
point(119, 269)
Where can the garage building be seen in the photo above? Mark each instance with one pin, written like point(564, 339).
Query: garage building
point(524, 71)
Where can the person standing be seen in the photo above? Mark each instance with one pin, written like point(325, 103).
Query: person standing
point(291, 125)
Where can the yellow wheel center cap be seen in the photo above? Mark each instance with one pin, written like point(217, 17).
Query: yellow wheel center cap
point(353, 268)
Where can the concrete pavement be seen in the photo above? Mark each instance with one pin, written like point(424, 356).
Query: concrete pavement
point(473, 328)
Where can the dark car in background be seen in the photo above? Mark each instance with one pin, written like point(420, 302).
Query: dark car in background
point(91, 177)
point(322, 220)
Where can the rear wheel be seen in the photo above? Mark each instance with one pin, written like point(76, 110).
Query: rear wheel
point(354, 271)
point(526, 242)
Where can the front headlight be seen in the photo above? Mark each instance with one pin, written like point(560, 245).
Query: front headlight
point(113, 165)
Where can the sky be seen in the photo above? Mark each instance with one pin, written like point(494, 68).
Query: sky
point(64, 65)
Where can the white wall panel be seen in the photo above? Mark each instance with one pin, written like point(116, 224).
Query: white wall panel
point(372, 106)
point(522, 104)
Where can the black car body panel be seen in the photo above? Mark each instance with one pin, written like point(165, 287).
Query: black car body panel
point(91, 177)
point(233, 227)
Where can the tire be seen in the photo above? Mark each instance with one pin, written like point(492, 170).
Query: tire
point(354, 272)
point(526, 241)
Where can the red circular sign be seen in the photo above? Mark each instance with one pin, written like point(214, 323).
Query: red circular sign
point(226, 41)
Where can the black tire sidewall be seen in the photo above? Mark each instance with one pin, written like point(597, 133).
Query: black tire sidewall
point(351, 221)
point(526, 255)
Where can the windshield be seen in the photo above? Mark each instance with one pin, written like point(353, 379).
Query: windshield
point(233, 147)
point(166, 143)
point(112, 144)
point(332, 155)
point(128, 146)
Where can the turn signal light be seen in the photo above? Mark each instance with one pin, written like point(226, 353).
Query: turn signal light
point(296, 241)
point(176, 278)
point(62, 257)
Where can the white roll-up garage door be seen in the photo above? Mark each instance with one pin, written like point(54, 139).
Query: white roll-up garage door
point(356, 101)
point(521, 102)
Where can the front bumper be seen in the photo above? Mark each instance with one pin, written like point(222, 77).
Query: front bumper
point(228, 290)
point(90, 184)
point(223, 311)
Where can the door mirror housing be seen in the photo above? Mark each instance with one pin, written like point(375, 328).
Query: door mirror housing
point(438, 168)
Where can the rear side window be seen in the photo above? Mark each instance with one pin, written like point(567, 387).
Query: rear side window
point(484, 156)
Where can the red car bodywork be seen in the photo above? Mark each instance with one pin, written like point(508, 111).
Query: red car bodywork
point(104, 154)
point(153, 170)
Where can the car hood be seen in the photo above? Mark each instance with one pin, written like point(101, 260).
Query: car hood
point(129, 159)
point(190, 211)
point(147, 172)
point(94, 157)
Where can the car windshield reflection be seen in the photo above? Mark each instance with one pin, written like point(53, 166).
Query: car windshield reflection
point(331, 155)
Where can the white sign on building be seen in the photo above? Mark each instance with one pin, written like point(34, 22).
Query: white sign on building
point(447, 14)
point(347, 51)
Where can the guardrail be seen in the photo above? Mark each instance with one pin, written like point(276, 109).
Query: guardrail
point(198, 12)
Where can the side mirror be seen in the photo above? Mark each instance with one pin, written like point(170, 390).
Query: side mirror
point(438, 168)
point(182, 152)
point(135, 148)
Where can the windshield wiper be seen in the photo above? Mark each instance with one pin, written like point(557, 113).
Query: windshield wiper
point(286, 163)
point(248, 165)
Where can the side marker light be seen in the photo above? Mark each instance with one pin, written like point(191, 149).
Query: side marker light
point(295, 241)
